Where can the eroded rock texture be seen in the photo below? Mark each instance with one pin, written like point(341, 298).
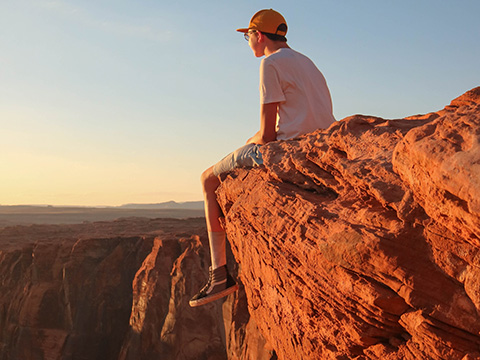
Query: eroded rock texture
point(116, 290)
point(362, 241)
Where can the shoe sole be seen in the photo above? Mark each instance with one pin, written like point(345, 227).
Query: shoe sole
point(213, 297)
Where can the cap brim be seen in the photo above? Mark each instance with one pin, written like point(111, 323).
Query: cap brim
point(243, 30)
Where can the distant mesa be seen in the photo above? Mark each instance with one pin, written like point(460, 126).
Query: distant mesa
point(192, 205)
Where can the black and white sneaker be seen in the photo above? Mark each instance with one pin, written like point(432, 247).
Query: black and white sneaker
point(220, 284)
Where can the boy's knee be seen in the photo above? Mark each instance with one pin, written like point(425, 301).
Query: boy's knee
point(209, 180)
point(204, 177)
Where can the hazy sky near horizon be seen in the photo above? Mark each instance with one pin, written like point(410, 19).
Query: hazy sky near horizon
point(113, 102)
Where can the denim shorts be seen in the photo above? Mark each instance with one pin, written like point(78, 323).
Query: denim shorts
point(247, 156)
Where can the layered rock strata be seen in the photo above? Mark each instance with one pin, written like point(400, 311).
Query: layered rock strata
point(362, 241)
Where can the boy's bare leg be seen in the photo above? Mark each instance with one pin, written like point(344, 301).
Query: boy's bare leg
point(216, 234)
point(220, 283)
point(210, 183)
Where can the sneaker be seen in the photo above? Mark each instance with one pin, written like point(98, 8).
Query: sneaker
point(220, 284)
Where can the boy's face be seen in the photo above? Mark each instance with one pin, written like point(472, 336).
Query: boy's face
point(255, 42)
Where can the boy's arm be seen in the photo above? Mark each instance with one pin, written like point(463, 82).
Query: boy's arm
point(268, 121)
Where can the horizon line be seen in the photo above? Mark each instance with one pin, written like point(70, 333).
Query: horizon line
point(104, 206)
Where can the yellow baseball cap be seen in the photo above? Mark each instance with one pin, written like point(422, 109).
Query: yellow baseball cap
point(268, 21)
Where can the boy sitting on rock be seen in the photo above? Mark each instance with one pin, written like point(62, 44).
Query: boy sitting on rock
point(294, 100)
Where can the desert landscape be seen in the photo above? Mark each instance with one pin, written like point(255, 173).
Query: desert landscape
point(361, 241)
point(47, 214)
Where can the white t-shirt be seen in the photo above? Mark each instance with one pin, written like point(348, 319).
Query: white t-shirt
point(294, 81)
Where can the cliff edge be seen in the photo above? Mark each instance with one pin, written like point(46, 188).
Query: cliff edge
point(362, 241)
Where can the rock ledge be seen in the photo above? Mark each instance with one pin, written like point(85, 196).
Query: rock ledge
point(362, 241)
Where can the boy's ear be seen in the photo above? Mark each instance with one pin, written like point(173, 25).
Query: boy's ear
point(261, 36)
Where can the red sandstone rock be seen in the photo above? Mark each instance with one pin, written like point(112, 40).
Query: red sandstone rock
point(362, 241)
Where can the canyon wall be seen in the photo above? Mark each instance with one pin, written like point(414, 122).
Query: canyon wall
point(116, 290)
point(362, 241)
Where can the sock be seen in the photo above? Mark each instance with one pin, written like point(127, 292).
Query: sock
point(218, 252)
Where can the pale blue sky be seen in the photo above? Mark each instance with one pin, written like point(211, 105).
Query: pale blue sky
point(112, 102)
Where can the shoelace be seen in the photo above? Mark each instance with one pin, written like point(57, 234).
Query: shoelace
point(210, 279)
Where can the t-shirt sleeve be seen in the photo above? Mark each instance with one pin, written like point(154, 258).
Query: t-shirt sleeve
point(270, 88)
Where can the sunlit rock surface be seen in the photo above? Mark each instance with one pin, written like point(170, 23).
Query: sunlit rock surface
point(362, 241)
